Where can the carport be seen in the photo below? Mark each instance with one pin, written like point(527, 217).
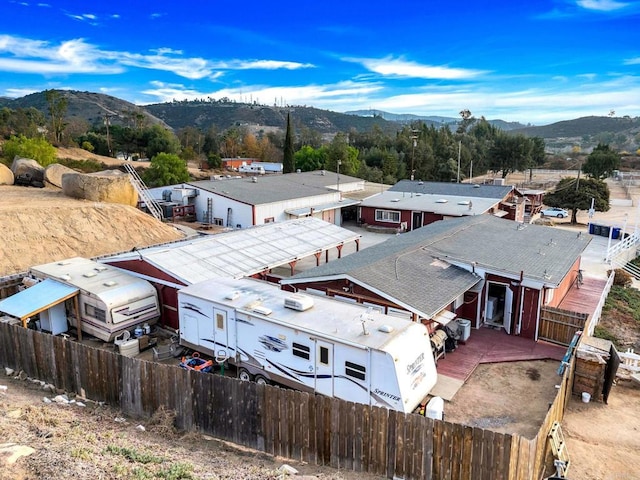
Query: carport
point(41, 297)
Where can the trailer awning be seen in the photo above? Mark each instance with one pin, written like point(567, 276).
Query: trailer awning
point(35, 299)
point(444, 317)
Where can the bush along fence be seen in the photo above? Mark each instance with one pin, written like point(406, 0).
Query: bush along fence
point(296, 425)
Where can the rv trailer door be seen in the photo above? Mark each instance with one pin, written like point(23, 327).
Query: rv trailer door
point(324, 368)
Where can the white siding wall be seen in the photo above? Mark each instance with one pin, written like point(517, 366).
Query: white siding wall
point(277, 210)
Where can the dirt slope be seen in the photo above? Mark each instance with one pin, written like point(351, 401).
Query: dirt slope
point(43, 225)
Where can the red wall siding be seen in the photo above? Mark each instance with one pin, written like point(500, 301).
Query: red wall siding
point(429, 217)
point(566, 285)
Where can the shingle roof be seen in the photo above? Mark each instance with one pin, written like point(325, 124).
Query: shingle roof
point(408, 267)
point(448, 188)
point(275, 188)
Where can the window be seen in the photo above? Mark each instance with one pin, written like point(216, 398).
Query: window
point(387, 216)
point(354, 370)
point(95, 312)
point(219, 321)
point(324, 355)
point(269, 220)
point(301, 351)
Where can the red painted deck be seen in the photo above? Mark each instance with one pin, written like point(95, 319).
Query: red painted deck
point(584, 299)
point(487, 345)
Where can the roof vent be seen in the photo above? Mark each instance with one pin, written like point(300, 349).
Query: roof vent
point(66, 277)
point(64, 262)
point(232, 295)
point(100, 268)
point(262, 310)
point(463, 202)
point(385, 328)
point(394, 200)
point(254, 179)
point(89, 274)
point(298, 302)
point(110, 283)
point(442, 200)
point(475, 185)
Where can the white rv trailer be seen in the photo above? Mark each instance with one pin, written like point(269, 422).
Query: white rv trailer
point(110, 300)
point(309, 343)
point(252, 168)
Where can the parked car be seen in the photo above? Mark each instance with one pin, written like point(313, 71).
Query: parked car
point(554, 212)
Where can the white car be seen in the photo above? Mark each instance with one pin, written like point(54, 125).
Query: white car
point(554, 212)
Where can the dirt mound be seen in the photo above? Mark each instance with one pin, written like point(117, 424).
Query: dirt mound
point(43, 225)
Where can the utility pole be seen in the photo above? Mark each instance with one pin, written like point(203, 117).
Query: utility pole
point(414, 137)
point(107, 121)
point(459, 150)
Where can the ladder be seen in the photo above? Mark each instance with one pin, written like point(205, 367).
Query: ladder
point(559, 449)
point(143, 192)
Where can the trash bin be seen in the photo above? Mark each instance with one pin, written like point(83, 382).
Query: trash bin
point(616, 233)
point(465, 327)
point(596, 230)
point(435, 408)
point(591, 228)
point(605, 230)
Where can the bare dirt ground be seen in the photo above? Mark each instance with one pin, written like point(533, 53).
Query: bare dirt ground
point(41, 225)
point(97, 442)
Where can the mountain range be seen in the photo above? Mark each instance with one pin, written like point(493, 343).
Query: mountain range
point(95, 108)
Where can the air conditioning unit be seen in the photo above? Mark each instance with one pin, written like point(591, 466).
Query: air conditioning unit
point(262, 310)
point(298, 302)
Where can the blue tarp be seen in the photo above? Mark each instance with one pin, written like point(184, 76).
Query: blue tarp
point(37, 298)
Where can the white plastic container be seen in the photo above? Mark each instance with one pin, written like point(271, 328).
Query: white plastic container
point(129, 348)
point(435, 408)
point(465, 326)
point(586, 397)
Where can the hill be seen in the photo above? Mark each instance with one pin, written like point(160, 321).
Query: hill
point(87, 106)
point(584, 126)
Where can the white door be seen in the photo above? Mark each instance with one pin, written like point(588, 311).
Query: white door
point(324, 368)
point(220, 333)
point(508, 309)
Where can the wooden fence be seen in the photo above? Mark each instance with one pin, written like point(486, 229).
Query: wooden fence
point(310, 428)
point(559, 326)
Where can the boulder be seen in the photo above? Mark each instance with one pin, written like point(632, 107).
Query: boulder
point(53, 174)
point(111, 186)
point(27, 168)
point(6, 175)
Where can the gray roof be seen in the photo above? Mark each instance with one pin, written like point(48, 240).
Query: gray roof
point(409, 267)
point(241, 252)
point(448, 188)
point(275, 188)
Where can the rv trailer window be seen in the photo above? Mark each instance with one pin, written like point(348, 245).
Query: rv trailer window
point(95, 312)
point(354, 370)
point(324, 355)
point(301, 351)
point(219, 321)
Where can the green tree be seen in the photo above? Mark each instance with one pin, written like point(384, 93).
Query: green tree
point(510, 153)
point(159, 140)
point(576, 194)
point(601, 162)
point(166, 169)
point(57, 105)
point(289, 161)
point(309, 159)
point(339, 152)
point(37, 149)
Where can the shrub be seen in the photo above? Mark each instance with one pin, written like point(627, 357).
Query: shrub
point(37, 149)
point(622, 278)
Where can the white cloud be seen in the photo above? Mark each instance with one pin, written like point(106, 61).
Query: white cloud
point(392, 67)
point(263, 65)
point(22, 55)
point(84, 17)
point(19, 92)
point(632, 61)
point(601, 5)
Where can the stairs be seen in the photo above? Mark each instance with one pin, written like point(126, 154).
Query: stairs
point(143, 192)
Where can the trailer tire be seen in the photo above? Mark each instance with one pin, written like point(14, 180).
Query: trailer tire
point(244, 375)
point(260, 380)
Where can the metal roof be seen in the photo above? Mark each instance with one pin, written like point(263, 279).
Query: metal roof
point(242, 252)
point(300, 212)
point(277, 188)
point(416, 268)
point(449, 205)
point(457, 189)
point(37, 298)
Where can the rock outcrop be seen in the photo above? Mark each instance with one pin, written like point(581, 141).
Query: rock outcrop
point(28, 168)
point(6, 175)
point(53, 174)
point(110, 186)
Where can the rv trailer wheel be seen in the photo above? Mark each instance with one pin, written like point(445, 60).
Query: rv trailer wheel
point(244, 375)
point(260, 380)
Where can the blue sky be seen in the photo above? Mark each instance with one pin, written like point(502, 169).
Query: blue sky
point(533, 62)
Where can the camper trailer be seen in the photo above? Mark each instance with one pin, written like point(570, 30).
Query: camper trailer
point(110, 300)
point(309, 343)
point(252, 168)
